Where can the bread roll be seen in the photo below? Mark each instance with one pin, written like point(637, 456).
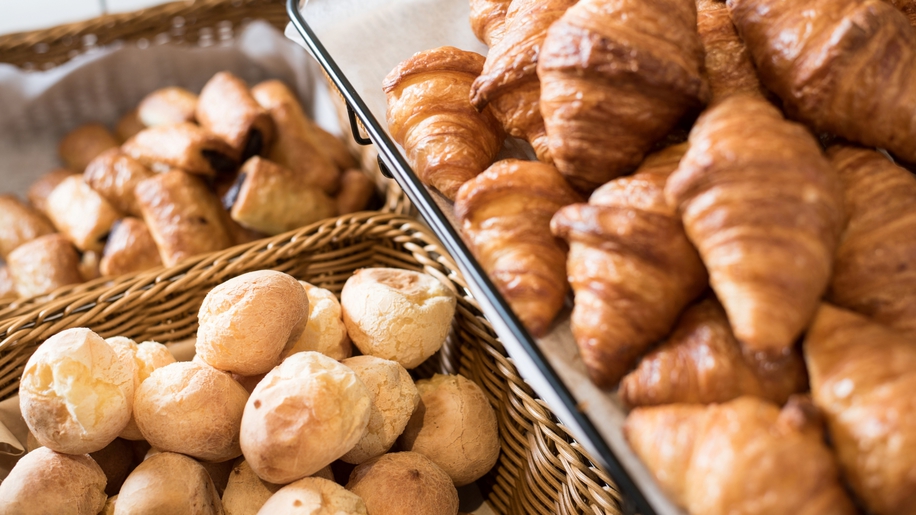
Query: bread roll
point(44, 265)
point(83, 144)
point(89, 265)
point(109, 508)
point(130, 248)
point(233, 334)
point(397, 314)
point(454, 426)
point(168, 484)
point(7, 286)
point(75, 393)
point(191, 408)
point(246, 492)
point(404, 483)
point(41, 189)
point(142, 359)
point(128, 126)
point(356, 191)
point(114, 175)
point(313, 496)
point(325, 331)
point(303, 415)
point(81, 214)
point(167, 105)
point(227, 109)
point(394, 399)
point(19, 224)
point(45, 482)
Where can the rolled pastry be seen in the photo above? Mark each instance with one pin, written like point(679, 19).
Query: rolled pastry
point(128, 126)
point(41, 189)
point(114, 175)
point(227, 109)
point(167, 105)
point(19, 223)
point(7, 287)
point(356, 191)
point(130, 248)
point(80, 213)
point(83, 144)
point(185, 146)
point(44, 265)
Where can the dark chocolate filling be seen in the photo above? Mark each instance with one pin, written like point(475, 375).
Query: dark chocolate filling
point(233, 194)
point(221, 163)
point(254, 145)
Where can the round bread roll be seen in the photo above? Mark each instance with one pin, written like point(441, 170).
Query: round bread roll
point(313, 496)
point(75, 393)
point(143, 358)
point(247, 322)
point(404, 483)
point(116, 461)
point(246, 492)
point(109, 505)
point(168, 484)
point(44, 481)
point(454, 426)
point(191, 408)
point(394, 399)
point(397, 314)
point(325, 331)
point(303, 415)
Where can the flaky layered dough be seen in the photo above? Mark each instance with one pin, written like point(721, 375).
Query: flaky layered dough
point(429, 114)
point(44, 265)
point(728, 62)
point(19, 224)
point(744, 457)
point(167, 105)
point(227, 110)
point(114, 175)
point(81, 214)
point(842, 66)
point(488, 19)
point(908, 7)
point(631, 267)
point(874, 272)
point(130, 248)
point(184, 146)
point(505, 217)
point(509, 81)
point(703, 362)
point(863, 376)
point(81, 145)
point(616, 75)
point(764, 208)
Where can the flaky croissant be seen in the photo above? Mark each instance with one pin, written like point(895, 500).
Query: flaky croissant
point(846, 67)
point(702, 362)
point(631, 267)
point(863, 376)
point(908, 7)
point(509, 82)
point(505, 216)
point(429, 114)
point(744, 457)
point(615, 78)
point(488, 19)
point(728, 62)
point(764, 208)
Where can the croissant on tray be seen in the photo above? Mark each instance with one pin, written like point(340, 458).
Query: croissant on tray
point(743, 457)
point(863, 376)
point(615, 79)
point(505, 216)
point(875, 269)
point(446, 140)
point(728, 62)
point(847, 67)
point(702, 362)
point(509, 83)
point(764, 208)
point(631, 267)
point(488, 19)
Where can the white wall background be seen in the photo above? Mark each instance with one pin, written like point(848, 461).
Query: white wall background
point(25, 15)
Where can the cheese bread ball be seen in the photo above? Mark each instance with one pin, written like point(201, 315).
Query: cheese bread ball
point(247, 322)
point(404, 483)
point(394, 399)
point(313, 496)
point(76, 393)
point(143, 358)
point(454, 426)
point(302, 416)
point(397, 314)
point(325, 331)
point(44, 481)
point(246, 493)
point(191, 408)
point(168, 484)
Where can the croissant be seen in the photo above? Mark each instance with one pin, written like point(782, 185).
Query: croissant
point(631, 267)
point(447, 141)
point(615, 78)
point(863, 376)
point(728, 62)
point(509, 82)
point(908, 7)
point(703, 362)
point(226, 109)
point(488, 18)
point(743, 457)
point(841, 66)
point(764, 208)
point(505, 216)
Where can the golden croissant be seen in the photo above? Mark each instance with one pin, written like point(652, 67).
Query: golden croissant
point(488, 19)
point(743, 457)
point(908, 7)
point(875, 269)
point(702, 362)
point(863, 376)
point(764, 208)
point(616, 76)
point(509, 83)
point(841, 66)
point(728, 62)
point(505, 216)
point(446, 140)
point(631, 267)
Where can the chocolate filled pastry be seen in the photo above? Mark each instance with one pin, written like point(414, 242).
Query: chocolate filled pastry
point(273, 199)
point(301, 145)
point(728, 62)
point(488, 19)
point(83, 144)
point(130, 249)
point(19, 223)
point(183, 216)
point(128, 126)
point(356, 192)
point(184, 146)
point(227, 109)
point(41, 189)
point(114, 175)
point(81, 214)
point(7, 286)
point(167, 105)
point(44, 265)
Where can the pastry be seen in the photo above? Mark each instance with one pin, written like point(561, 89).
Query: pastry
point(728, 62)
point(81, 214)
point(184, 146)
point(130, 248)
point(167, 105)
point(114, 175)
point(44, 265)
point(488, 18)
point(128, 126)
point(81, 145)
point(356, 192)
point(41, 189)
point(19, 224)
point(908, 7)
point(227, 110)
